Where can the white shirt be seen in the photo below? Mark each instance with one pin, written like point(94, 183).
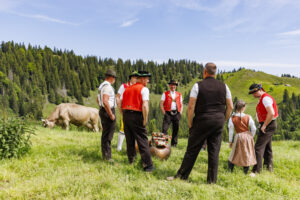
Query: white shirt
point(122, 89)
point(106, 88)
point(231, 125)
point(144, 92)
point(173, 95)
point(195, 90)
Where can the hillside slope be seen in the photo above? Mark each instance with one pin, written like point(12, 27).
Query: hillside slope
point(240, 81)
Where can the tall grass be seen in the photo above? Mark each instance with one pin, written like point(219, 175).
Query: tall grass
point(68, 165)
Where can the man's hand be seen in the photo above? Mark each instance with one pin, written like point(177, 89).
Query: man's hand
point(145, 122)
point(162, 107)
point(112, 117)
point(263, 128)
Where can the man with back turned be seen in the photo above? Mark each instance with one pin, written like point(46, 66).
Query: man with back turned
point(135, 116)
point(209, 106)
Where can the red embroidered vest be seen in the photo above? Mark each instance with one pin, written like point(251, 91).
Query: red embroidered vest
point(168, 101)
point(132, 97)
point(261, 110)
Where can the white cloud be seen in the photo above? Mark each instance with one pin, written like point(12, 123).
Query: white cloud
point(129, 23)
point(43, 18)
point(222, 7)
point(290, 33)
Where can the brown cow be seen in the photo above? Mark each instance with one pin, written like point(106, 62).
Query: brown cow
point(67, 113)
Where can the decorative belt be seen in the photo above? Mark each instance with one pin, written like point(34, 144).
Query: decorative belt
point(102, 107)
point(173, 112)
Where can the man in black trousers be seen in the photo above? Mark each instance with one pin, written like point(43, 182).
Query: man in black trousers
point(209, 106)
point(107, 103)
point(171, 107)
point(135, 116)
point(267, 114)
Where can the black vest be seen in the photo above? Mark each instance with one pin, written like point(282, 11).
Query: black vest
point(211, 97)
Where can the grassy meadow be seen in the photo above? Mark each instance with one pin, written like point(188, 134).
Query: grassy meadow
point(68, 165)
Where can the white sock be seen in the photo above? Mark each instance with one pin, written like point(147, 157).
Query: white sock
point(120, 141)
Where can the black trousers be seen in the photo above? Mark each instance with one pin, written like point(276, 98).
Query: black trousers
point(135, 130)
point(263, 147)
point(208, 128)
point(174, 119)
point(107, 133)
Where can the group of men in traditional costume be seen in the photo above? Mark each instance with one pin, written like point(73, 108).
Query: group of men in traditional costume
point(210, 106)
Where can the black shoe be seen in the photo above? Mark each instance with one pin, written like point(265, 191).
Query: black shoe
point(230, 166)
point(149, 169)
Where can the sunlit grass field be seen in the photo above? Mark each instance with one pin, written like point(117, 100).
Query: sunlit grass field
point(68, 165)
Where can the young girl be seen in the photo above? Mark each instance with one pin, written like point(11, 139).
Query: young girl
point(242, 153)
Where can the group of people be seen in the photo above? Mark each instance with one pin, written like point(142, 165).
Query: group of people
point(210, 105)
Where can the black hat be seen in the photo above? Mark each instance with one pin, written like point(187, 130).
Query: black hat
point(135, 73)
point(143, 74)
point(173, 82)
point(254, 88)
point(111, 72)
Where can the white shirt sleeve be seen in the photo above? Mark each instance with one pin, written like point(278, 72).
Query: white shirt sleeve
point(228, 93)
point(163, 97)
point(121, 89)
point(267, 101)
point(106, 90)
point(230, 129)
point(252, 126)
point(181, 99)
point(194, 91)
point(145, 94)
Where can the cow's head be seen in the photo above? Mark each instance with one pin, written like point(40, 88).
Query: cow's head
point(47, 123)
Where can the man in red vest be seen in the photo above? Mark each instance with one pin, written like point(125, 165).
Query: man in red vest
point(171, 107)
point(266, 111)
point(135, 110)
point(132, 81)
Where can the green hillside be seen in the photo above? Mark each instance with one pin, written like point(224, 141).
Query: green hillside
point(240, 81)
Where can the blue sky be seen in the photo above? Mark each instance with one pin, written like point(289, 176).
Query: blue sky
point(257, 34)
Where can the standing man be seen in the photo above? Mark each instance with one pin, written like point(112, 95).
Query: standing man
point(266, 111)
point(107, 103)
point(135, 115)
point(209, 106)
point(171, 107)
point(132, 81)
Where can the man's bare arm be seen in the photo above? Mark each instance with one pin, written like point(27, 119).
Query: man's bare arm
point(191, 110)
point(145, 110)
point(162, 107)
point(229, 108)
point(107, 106)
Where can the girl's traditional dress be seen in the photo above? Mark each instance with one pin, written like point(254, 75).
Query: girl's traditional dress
point(242, 153)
